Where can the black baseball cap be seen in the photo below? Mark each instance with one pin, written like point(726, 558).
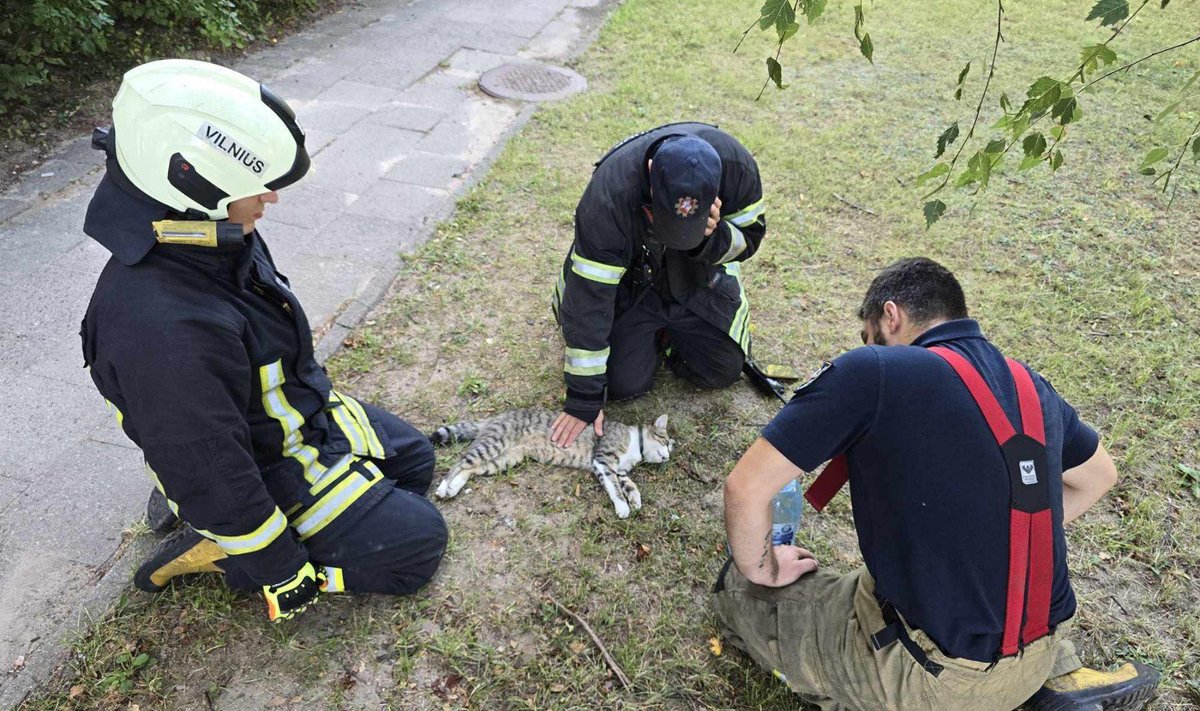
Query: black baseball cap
point(685, 175)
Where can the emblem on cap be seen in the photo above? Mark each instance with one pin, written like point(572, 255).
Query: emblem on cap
point(686, 206)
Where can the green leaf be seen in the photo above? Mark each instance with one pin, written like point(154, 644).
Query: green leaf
point(934, 209)
point(867, 49)
point(1196, 149)
point(1019, 125)
point(1154, 156)
point(858, 22)
point(1057, 132)
point(1004, 102)
point(948, 137)
point(1030, 161)
point(1042, 95)
point(1034, 144)
point(1109, 12)
point(1066, 110)
point(813, 9)
point(933, 173)
point(1056, 160)
point(789, 31)
point(777, 13)
point(775, 72)
point(140, 660)
point(1165, 3)
point(1095, 56)
point(962, 77)
point(1188, 472)
point(996, 146)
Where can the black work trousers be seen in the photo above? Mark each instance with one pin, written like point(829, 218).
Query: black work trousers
point(699, 352)
point(395, 546)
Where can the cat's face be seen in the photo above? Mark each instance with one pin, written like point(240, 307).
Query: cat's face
point(657, 446)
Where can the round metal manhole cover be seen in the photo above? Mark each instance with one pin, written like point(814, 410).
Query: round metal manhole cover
point(531, 82)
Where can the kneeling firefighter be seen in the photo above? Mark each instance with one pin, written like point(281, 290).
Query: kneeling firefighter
point(286, 485)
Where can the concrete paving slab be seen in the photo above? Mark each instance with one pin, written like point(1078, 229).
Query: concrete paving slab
point(54, 418)
point(431, 170)
point(11, 207)
point(556, 39)
point(400, 73)
point(326, 117)
point(309, 206)
point(44, 587)
point(362, 155)
point(411, 204)
point(474, 62)
point(414, 118)
point(357, 94)
point(34, 239)
point(78, 504)
point(468, 132)
point(357, 238)
point(10, 491)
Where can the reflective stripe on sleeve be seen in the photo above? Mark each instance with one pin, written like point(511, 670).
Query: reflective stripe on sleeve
point(257, 539)
point(748, 214)
point(559, 288)
point(374, 446)
point(335, 501)
point(739, 330)
point(334, 580)
point(581, 362)
point(603, 273)
point(737, 244)
point(276, 405)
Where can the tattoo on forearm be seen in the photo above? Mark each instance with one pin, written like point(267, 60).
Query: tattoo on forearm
point(767, 559)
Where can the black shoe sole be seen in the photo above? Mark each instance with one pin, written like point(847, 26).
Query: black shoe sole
point(159, 516)
point(171, 548)
point(1127, 696)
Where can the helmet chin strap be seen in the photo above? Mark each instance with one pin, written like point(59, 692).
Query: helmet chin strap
point(199, 232)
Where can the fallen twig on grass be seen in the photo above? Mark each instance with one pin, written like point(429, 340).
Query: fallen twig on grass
point(608, 658)
point(856, 206)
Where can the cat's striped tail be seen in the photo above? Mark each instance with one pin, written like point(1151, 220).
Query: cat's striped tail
point(458, 432)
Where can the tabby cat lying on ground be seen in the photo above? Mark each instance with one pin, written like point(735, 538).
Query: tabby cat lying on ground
point(504, 440)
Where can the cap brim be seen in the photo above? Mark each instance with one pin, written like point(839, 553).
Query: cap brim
point(676, 233)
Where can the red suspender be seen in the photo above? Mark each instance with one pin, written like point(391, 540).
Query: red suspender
point(1031, 534)
point(828, 483)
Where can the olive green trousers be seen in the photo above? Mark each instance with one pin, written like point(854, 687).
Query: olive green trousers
point(815, 634)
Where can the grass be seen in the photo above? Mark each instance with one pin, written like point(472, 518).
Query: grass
point(1086, 276)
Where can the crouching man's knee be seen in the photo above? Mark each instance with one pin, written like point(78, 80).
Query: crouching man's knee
point(419, 558)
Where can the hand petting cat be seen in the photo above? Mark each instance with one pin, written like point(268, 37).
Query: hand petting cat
point(567, 427)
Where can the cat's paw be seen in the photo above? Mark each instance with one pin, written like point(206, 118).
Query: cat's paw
point(450, 486)
point(622, 509)
point(634, 497)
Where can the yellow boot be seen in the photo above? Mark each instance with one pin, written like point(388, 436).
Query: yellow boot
point(183, 552)
point(1126, 689)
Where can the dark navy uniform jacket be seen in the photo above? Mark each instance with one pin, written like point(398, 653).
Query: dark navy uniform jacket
point(608, 262)
point(207, 358)
point(928, 483)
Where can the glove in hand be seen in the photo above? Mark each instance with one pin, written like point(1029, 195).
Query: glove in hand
point(289, 598)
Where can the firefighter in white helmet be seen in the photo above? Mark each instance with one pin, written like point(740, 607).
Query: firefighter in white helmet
point(283, 484)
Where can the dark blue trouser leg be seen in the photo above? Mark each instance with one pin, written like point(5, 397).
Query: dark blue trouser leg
point(396, 545)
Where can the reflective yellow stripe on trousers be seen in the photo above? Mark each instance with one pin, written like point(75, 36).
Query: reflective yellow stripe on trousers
point(336, 500)
point(739, 330)
point(261, 537)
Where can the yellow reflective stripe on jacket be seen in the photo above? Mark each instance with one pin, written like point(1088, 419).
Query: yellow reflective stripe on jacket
point(347, 423)
point(739, 330)
point(158, 485)
point(748, 214)
point(331, 475)
point(559, 288)
point(737, 244)
point(256, 540)
point(276, 405)
point(120, 415)
point(581, 362)
point(335, 501)
point(596, 271)
point(374, 446)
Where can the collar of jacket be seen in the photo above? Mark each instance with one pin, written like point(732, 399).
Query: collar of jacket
point(949, 331)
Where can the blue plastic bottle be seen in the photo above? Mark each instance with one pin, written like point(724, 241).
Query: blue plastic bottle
point(786, 509)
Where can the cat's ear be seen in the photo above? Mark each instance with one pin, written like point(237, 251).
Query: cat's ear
point(661, 424)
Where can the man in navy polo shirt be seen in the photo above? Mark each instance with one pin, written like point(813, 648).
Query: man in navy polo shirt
point(963, 467)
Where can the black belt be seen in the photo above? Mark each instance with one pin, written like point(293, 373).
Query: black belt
point(894, 631)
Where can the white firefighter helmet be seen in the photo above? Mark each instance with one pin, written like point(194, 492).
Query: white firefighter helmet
point(196, 136)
